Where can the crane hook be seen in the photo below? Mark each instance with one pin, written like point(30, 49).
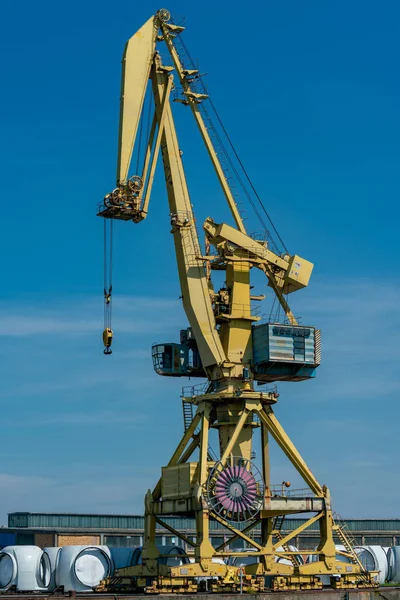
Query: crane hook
point(107, 340)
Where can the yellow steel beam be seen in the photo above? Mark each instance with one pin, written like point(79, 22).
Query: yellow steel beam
point(281, 298)
point(190, 449)
point(218, 233)
point(239, 426)
point(283, 440)
point(136, 64)
point(236, 536)
point(180, 448)
point(193, 103)
point(161, 120)
point(237, 532)
point(203, 458)
point(299, 529)
point(148, 153)
point(194, 284)
point(175, 532)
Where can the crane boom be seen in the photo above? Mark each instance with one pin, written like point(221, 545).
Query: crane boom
point(192, 275)
point(136, 64)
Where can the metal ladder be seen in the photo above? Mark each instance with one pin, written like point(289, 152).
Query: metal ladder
point(187, 408)
point(348, 541)
point(280, 534)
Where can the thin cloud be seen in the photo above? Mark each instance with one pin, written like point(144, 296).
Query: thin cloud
point(132, 315)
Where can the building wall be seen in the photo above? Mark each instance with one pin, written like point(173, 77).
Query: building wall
point(78, 540)
point(44, 529)
point(44, 539)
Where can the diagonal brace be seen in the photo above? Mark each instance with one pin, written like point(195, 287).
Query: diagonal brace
point(280, 436)
point(237, 532)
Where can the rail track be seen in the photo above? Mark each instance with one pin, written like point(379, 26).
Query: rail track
point(386, 593)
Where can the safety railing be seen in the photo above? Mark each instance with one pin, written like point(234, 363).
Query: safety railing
point(282, 490)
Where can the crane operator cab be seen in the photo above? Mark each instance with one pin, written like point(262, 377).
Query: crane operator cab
point(178, 360)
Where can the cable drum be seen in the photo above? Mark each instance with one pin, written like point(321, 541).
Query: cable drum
point(235, 490)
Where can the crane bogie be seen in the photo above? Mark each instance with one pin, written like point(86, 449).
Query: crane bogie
point(228, 345)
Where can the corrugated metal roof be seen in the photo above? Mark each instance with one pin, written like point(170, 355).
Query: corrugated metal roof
point(136, 522)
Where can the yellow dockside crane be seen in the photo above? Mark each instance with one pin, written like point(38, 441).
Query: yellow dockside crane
point(227, 345)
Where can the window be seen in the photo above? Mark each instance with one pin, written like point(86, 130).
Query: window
point(172, 541)
point(122, 541)
point(308, 543)
point(378, 541)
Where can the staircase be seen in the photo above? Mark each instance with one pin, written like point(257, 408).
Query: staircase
point(187, 408)
point(348, 541)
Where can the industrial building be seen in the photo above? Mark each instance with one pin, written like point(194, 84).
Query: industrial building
point(62, 529)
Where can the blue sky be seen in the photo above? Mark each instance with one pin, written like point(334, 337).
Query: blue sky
point(310, 94)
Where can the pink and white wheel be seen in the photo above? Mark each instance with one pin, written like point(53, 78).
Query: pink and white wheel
point(235, 490)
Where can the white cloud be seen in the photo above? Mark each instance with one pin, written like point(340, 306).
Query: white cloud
point(83, 316)
point(86, 490)
point(329, 419)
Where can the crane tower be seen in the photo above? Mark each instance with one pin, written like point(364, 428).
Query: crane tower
point(228, 346)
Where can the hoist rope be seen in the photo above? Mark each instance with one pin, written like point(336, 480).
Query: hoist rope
point(149, 119)
point(248, 177)
point(108, 260)
point(246, 192)
point(139, 144)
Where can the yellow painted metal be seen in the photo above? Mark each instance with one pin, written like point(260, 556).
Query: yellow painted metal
point(297, 275)
point(222, 326)
point(237, 532)
point(236, 536)
point(161, 119)
point(136, 64)
point(178, 534)
point(280, 436)
point(284, 540)
point(179, 481)
point(227, 418)
point(222, 232)
point(192, 100)
point(195, 295)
